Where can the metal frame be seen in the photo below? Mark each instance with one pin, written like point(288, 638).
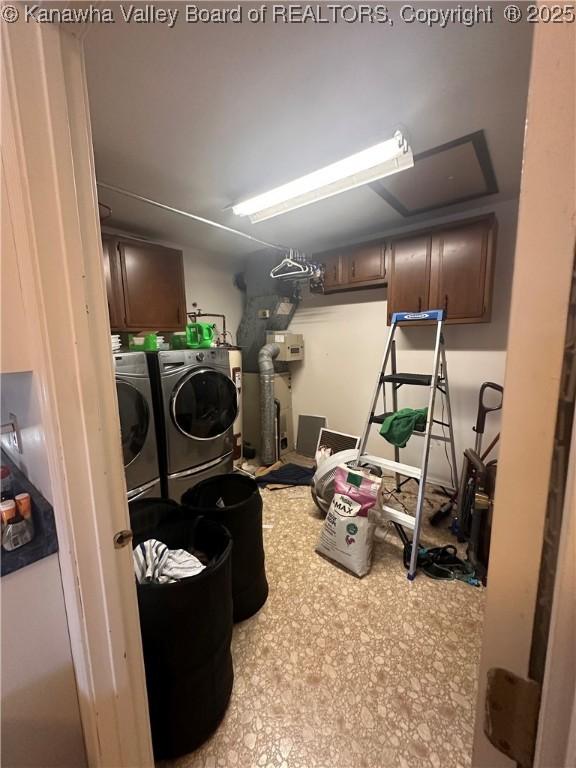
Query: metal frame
point(176, 392)
point(201, 467)
point(439, 381)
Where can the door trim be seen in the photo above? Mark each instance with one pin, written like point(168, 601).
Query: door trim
point(539, 312)
point(556, 742)
point(49, 165)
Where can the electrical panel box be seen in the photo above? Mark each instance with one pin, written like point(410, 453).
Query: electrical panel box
point(291, 345)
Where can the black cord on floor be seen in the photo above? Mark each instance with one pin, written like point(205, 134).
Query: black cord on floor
point(391, 494)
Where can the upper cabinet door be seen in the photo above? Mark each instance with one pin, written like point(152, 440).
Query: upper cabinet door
point(113, 283)
point(366, 263)
point(153, 280)
point(332, 270)
point(409, 275)
point(461, 270)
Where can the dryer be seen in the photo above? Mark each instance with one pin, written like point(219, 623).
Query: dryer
point(138, 434)
point(197, 404)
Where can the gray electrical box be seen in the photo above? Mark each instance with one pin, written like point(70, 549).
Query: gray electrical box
point(291, 345)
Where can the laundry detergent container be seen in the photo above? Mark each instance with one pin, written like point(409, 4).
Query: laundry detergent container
point(234, 501)
point(186, 629)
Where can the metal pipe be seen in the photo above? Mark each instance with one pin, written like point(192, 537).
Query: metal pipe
point(267, 407)
point(189, 215)
point(199, 313)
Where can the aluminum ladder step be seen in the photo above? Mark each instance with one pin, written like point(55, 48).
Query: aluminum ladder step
point(415, 379)
point(389, 513)
point(379, 419)
point(394, 467)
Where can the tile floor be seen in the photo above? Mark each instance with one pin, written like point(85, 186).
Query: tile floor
point(337, 672)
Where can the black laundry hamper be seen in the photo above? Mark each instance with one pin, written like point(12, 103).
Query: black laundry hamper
point(186, 629)
point(234, 501)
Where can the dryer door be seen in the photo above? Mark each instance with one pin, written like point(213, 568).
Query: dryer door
point(134, 420)
point(204, 404)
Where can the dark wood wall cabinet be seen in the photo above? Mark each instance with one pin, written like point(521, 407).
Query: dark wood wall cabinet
point(448, 267)
point(360, 266)
point(144, 284)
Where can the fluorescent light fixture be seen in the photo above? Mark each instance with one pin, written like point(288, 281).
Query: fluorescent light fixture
point(371, 164)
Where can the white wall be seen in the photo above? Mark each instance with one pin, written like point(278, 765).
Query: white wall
point(40, 716)
point(345, 336)
point(209, 281)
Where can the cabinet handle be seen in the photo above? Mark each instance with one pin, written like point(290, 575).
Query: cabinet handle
point(446, 303)
point(419, 303)
point(353, 269)
point(335, 273)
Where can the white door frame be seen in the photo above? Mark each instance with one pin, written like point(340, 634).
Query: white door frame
point(48, 161)
point(47, 158)
point(540, 297)
point(556, 743)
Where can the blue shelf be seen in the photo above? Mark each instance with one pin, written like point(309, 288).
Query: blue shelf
point(45, 541)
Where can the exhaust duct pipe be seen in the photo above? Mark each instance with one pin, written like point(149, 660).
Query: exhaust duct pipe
point(267, 406)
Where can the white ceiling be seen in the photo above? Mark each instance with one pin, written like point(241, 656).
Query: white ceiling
point(202, 116)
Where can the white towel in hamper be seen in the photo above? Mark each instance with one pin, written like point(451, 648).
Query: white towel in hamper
point(155, 563)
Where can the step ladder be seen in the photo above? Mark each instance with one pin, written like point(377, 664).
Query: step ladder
point(436, 381)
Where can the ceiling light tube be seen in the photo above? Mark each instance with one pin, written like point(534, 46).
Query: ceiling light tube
point(371, 164)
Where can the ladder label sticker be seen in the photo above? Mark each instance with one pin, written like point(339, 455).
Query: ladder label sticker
point(431, 314)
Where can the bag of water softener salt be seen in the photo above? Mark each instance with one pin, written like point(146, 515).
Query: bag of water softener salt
point(348, 532)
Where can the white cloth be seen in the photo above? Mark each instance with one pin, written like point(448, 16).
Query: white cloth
point(154, 563)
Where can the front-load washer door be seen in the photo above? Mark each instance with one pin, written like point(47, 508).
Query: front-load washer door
point(137, 434)
point(203, 408)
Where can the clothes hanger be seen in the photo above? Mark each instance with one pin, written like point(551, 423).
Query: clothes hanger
point(293, 265)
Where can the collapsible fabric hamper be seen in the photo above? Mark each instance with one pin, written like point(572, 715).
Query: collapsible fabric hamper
point(186, 629)
point(234, 501)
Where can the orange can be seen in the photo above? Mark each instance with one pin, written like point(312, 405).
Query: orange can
point(23, 505)
point(8, 511)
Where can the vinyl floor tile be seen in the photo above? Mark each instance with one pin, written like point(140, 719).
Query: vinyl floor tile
point(340, 672)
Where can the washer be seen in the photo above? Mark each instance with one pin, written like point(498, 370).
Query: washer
point(139, 448)
point(198, 404)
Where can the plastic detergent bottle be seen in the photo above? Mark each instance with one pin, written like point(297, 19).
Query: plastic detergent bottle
point(199, 335)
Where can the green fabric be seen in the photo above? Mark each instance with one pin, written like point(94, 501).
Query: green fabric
point(398, 427)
